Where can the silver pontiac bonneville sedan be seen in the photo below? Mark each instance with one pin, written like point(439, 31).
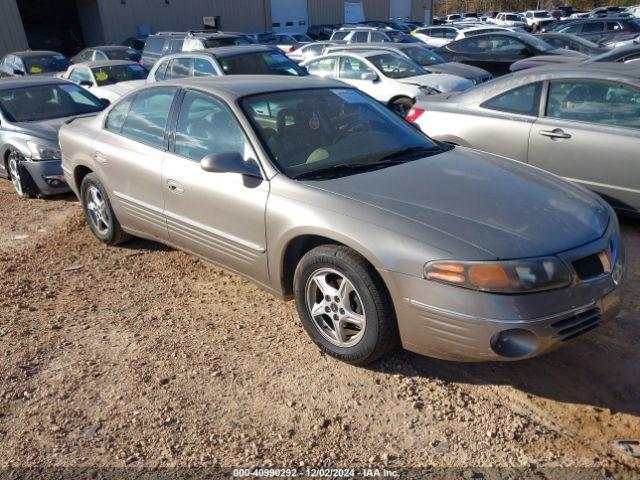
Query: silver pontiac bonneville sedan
point(315, 191)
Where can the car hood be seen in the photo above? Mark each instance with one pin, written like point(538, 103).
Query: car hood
point(115, 91)
point(442, 82)
point(541, 60)
point(45, 129)
point(502, 207)
point(459, 69)
point(567, 53)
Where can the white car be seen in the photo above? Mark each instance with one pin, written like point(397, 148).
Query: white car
point(533, 17)
point(437, 36)
point(107, 79)
point(509, 19)
point(388, 77)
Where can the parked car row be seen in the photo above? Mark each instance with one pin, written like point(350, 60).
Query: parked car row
point(429, 231)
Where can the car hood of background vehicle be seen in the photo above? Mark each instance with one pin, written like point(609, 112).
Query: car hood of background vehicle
point(541, 60)
point(442, 82)
point(565, 52)
point(118, 89)
point(500, 206)
point(45, 129)
point(459, 69)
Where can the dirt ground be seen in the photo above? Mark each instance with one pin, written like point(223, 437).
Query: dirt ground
point(142, 356)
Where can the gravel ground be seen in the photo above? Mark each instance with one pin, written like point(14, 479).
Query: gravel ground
point(142, 356)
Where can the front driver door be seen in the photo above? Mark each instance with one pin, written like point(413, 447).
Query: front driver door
point(590, 134)
point(219, 216)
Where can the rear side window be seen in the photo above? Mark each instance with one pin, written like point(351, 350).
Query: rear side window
point(154, 45)
point(360, 37)
point(175, 45)
point(203, 68)
point(592, 27)
point(147, 118)
point(523, 100)
point(179, 68)
point(378, 37)
point(116, 116)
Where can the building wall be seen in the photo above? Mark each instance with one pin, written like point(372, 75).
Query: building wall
point(12, 36)
point(325, 11)
point(91, 22)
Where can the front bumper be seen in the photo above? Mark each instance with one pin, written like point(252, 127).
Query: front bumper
point(453, 323)
point(47, 175)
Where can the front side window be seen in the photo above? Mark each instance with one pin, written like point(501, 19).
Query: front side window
point(424, 56)
point(260, 63)
point(352, 68)
point(523, 100)
point(324, 67)
point(147, 118)
point(205, 126)
point(203, 68)
point(36, 64)
point(80, 75)
point(43, 102)
point(395, 66)
point(306, 131)
point(112, 74)
point(593, 101)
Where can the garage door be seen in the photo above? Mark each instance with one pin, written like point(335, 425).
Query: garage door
point(400, 9)
point(289, 16)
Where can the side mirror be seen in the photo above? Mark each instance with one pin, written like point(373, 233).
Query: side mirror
point(230, 162)
point(105, 101)
point(86, 83)
point(369, 76)
point(18, 72)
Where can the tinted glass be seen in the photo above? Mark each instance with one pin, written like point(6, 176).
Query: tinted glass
point(206, 126)
point(80, 75)
point(306, 130)
point(395, 66)
point(160, 71)
point(42, 102)
point(595, 102)
point(118, 73)
point(148, 116)
point(575, 28)
point(324, 67)
point(260, 63)
point(424, 56)
point(352, 68)
point(175, 45)
point(203, 68)
point(116, 116)
point(154, 45)
point(46, 64)
point(378, 37)
point(524, 100)
point(225, 42)
point(360, 37)
point(339, 35)
point(85, 55)
point(592, 27)
point(122, 54)
point(179, 68)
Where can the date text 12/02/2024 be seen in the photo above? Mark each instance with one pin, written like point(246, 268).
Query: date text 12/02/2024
point(316, 473)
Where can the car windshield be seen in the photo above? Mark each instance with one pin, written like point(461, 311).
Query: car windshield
point(395, 66)
point(46, 64)
point(311, 132)
point(401, 37)
point(43, 102)
point(225, 42)
point(260, 63)
point(123, 54)
point(537, 43)
point(111, 74)
point(302, 38)
point(423, 56)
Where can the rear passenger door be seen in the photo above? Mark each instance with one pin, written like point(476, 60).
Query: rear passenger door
point(220, 216)
point(590, 134)
point(129, 152)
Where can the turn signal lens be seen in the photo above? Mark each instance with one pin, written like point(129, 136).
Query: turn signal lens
point(513, 276)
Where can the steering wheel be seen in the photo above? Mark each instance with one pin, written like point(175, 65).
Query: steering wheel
point(354, 126)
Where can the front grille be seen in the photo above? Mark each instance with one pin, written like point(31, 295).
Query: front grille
point(578, 324)
point(588, 267)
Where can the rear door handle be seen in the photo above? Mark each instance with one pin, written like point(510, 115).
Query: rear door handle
point(175, 187)
point(100, 158)
point(555, 133)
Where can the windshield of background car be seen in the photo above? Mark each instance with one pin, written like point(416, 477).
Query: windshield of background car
point(260, 63)
point(43, 102)
point(401, 37)
point(535, 42)
point(395, 66)
point(306, 130)
point(118, 73)
point(46, 64)
point(225, 42)
point(423, 56)
point(128, 54)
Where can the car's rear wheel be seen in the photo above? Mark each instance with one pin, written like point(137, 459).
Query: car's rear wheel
point(401, 106)
point(99, 213)
point(344, 305)
point(23, 184)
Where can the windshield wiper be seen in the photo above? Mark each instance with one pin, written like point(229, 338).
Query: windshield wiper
point(409, 153)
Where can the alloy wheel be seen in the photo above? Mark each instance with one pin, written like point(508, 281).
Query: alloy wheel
point(336, 307)
point(97, 210)
point(14, 173)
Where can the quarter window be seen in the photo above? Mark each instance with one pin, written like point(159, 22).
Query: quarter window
point(594, 102)
point(147, 118)
point(523, 100)
point(206, 126)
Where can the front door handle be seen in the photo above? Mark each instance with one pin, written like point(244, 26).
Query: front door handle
point(175, 187)
point(556, 133)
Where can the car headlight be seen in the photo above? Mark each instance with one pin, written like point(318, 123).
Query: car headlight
point(428, 90)
point(43, 152)
point(512, 276)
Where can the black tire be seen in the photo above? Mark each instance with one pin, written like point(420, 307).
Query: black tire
point(23, 184)
point(401, 106)
point(381, 331)
point(108, 231)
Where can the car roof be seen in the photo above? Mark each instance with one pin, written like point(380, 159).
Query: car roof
point(104, 63)
point(109, 47)
point(221, 52)
point(33, 53)
point(232, 87)
point(361, 54)
point(10, 82)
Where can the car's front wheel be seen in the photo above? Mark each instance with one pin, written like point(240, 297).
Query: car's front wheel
point(23, 184)
point(344, 305)
point(99, 213)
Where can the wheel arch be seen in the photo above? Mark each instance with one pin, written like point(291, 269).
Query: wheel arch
point(79, 172)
